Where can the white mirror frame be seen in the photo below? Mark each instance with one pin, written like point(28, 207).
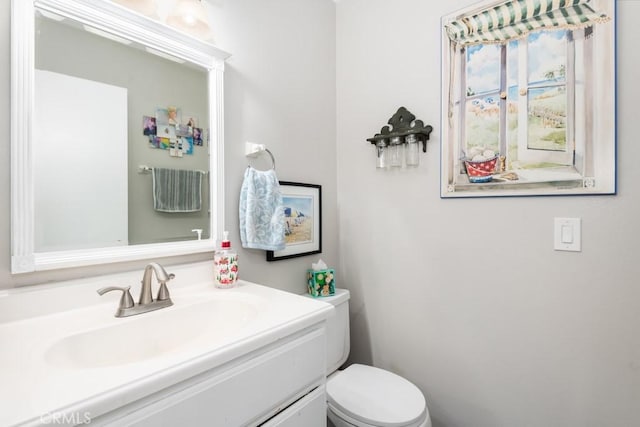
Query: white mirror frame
point(110, 17)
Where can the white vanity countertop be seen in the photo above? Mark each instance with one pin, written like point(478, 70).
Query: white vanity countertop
point(37, 383)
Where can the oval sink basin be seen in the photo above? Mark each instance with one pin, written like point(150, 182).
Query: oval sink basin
point(153, 334)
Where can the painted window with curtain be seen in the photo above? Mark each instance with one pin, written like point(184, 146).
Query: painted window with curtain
point(522, 87)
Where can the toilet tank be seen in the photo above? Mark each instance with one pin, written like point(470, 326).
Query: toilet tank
point(338, 343)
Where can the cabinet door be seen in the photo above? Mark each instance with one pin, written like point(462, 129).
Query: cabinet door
point(310, 411)
point(245, 393)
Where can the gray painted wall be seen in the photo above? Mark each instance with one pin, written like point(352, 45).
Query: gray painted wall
point(467, 298)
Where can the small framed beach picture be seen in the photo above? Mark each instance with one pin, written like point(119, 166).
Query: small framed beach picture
point(302, 204)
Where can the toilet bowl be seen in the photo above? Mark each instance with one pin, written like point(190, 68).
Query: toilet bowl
point(361, 395)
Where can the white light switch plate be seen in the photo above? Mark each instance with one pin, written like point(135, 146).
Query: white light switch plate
point(567, 234)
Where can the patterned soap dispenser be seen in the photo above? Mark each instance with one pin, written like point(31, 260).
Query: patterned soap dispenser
point(226, 265)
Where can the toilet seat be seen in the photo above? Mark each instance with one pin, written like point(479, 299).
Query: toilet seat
point(368, 396)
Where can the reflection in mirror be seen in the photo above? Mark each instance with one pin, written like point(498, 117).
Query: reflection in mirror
point(114, 117)
point(89, 191)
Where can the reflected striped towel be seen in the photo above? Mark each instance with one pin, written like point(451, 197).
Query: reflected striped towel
point(177, 190)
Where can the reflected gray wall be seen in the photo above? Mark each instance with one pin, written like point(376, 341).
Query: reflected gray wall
point(151, 82)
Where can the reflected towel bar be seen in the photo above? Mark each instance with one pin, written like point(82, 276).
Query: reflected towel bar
point(147, 169)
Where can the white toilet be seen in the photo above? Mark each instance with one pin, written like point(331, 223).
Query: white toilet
point(361, 395)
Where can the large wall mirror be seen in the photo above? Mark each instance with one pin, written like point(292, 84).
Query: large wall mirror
point(116, 137)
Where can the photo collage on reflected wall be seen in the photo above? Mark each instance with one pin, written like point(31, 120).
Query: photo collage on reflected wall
point(172, 130)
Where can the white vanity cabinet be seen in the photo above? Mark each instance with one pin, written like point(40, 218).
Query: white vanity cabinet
point(281, 384)
point(246, 356)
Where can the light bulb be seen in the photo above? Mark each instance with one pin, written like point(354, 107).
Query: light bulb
point(190, 16)
point(189, 20)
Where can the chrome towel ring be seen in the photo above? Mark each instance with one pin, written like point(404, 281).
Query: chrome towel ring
point(265, 150)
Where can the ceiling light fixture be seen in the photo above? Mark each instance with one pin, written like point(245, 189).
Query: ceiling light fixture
point(190, 16)
point(145, 7)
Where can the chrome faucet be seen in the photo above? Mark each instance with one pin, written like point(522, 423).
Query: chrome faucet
point(162, 276)
point(146, 302)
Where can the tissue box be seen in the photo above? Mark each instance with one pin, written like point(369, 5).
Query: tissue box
point(321, 283)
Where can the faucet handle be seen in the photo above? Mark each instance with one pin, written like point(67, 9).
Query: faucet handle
point(126, 301)
point(163, 292)
point(163, 278)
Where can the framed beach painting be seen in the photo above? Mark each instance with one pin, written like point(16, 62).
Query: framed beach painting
point(528, 99)
point(303, 220)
